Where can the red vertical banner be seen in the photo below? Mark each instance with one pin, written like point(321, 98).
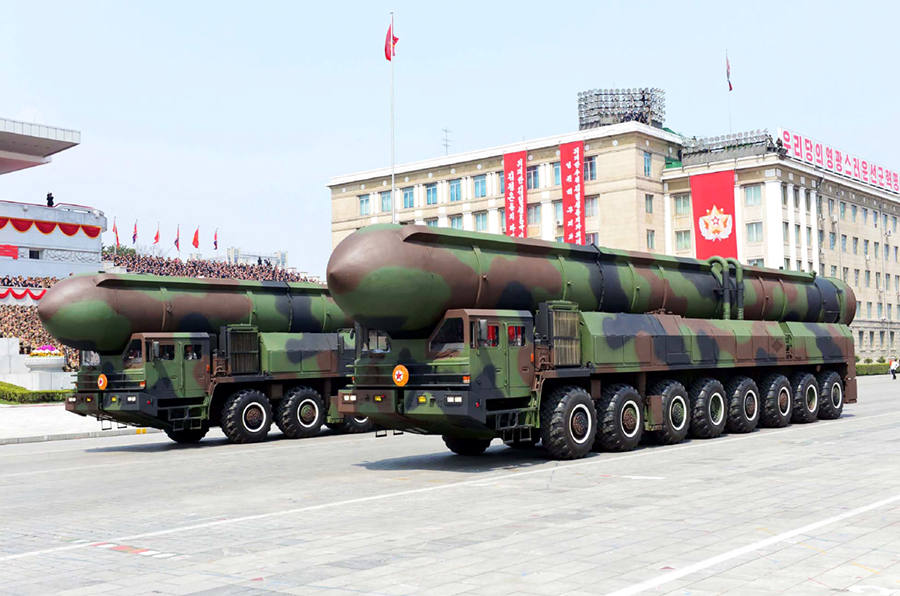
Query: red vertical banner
point(571, 159)
point(712, 198)
point(514, 191)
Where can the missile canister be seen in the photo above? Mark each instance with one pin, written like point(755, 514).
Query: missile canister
point(402, 279)
point(101, 312)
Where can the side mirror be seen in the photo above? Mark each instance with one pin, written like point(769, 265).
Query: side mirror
point(156, 350)
point(482, 329)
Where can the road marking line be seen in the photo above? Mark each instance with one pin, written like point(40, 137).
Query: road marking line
point(416, 491)
point(750, 548)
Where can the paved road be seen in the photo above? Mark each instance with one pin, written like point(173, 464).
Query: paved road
point(812, 509)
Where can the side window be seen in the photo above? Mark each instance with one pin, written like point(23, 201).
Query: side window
point(376, 342)
point(163, 351)
point(449, 338)
point(484, 335)
point(134, 355)
point(193, 351)
point(516, 336)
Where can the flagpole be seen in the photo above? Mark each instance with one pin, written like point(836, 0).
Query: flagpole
point(393, 189)
point(729, 93)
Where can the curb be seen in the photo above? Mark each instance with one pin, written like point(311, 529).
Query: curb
point(118, 432)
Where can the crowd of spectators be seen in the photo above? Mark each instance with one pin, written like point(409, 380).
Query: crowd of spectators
point(22, 322)
point(17, 281)
point(261, 271)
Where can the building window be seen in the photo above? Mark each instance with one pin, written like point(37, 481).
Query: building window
point(560, 239)
point(784, 198)
point(832, 240)
point(682, 204)
point(556, 175)
point(853, 213)
point(889, 316)
point(557, 212)
point(856, 277)
point(821, 234)
point(648, 161)
point(869, 314)
point(534, 215)
point(590, 207)
point(481, 186)
point(797, 204)
point(834, 271)
point(887, 252)
point(785, 231)
point(590, 168)
point(431, 223)
point(648, 203)
point(809, 236)
point(877, 280)
point(753, 195)
point(808, 201)
point(894, 222)
point(481, 221)
point(797, 233)
point(787, 265)
point(884, 220)
point(896, 255)
point(386, 202)
point(754, 232)
point(868, 278)
point(501, 217)
point(651, 239)
point(456, 222)
point(409, 200)
point(590, 238)
point(843, 242)
point(431, 194)
point(865, 247)
point(845, 273)
point(830, 206)
point(756, 263)
point(855, 246)
point(363, 204)
point(455, 190)
point(865, 216)
point(877, 249)
point(843, 210)
point(532, 177)
point(683, 240)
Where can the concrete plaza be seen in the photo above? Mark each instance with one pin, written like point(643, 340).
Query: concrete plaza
point(810, 509)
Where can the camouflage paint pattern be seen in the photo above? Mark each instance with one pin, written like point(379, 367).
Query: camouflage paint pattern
point(418, 273)
point(100, 312)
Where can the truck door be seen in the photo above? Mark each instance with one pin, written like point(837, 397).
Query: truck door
point(195, 360)
point(166, 367)
point(520, 351)
point(490, 364)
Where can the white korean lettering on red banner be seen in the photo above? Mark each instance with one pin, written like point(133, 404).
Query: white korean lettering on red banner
point(824, 156)
point(571, 162)
point(514, 191)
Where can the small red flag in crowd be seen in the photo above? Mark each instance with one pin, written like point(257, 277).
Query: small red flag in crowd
point(389, 44)
point(178, 238)
point(196, 241)
point(156, 238)
point(116, 231)
point(134, 235)
point(216, 240)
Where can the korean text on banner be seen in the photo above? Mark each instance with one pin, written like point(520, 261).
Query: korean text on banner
point(712, 199)
point(571, 157)
point(514, 193)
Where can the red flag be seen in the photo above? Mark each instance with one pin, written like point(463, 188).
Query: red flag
point(156, 238)
point(389, 44)
point(116, 231)
point(216, 240)
point(178, 238)
point(728, 72)
point(134, 236)
point(196, 241)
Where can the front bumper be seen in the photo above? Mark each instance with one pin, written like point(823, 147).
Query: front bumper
point(129, 407)
point(453, 411)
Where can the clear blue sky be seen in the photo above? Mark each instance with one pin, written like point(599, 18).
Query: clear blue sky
point(226, 116)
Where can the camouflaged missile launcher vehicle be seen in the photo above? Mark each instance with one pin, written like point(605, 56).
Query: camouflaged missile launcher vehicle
point(184, 354)
point(476, 336)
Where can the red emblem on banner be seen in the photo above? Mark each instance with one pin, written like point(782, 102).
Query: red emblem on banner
point(514, 193)
point(712, 198)
point(571, 157)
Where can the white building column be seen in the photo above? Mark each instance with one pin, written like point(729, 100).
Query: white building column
point(443, 222)
point(804, 245)
point(493, 221)
point(814, 222)
point(792, 237)
point(774, 239)
point(464, 188)
point(419, 195)
point(739, 226)
point(468, 221)
point(547, 224)
point(669, 231)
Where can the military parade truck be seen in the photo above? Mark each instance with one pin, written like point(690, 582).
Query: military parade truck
point(479, 336)
point(184, 354)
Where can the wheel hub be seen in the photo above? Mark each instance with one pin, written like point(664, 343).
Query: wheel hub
point(307, 413)
point(677, 413)
point(784, 401)
point(836, 395)
point(716, 408)
point(581, 424)
point(750, 405)
point(629, 419)
point(812, 398)
point(254, 417)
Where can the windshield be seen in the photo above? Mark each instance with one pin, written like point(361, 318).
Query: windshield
point(89, 358)
point(134, 355)
point(449, 338)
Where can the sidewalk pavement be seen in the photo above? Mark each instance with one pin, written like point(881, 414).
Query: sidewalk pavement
point(51, 422)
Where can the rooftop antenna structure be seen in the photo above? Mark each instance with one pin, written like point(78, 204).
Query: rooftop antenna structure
point(446, 141)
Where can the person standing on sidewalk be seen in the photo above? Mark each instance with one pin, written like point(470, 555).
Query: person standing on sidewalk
point(893, 367)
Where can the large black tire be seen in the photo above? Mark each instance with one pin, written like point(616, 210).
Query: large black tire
point(301, 413)
point(351, 425)
point(466, 446)
point(743, 405)
point(708, 409)
point(246, 417)
point(777, 402)
point(568, 423)
point(620, 414)
point(831, 395)
point(806, 398)
point(676, 416)
point(188, 435)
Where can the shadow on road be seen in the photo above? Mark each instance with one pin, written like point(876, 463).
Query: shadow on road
point(206, 443)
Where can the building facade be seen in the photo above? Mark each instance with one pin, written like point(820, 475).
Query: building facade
point(787, 214)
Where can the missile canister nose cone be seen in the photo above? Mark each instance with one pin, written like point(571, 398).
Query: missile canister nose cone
point(385, 283)
point(82, 315)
